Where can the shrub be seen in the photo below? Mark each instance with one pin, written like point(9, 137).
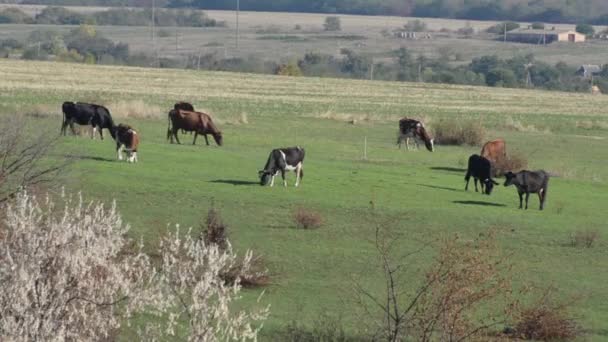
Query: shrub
point(332, 24)
point(63, 273)
point(512, 162)
point(459, 132)
point(584, 238)
point(163, 33)
point(215, 230)
point(290, 69)
point(306, 218)
point(546, 320)
point(500, 28)
point(60, 16)
point(415, 26)
point(14, 16)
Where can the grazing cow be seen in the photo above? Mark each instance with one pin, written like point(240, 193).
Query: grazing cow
point(494, 150)
point(529, 182)
point(183, 106)
point(101, 119)
point(199, 123)
point(281, 160)
point(410, 128)
point(480, 168)
point(128, 139)
point(86, 114)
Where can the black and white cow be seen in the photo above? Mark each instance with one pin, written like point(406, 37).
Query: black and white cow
point(128, 139)
point(281, 160)
point(480, 168)
point(85, 114)
point(414, 129)
point(529, 182)
point(101, 119)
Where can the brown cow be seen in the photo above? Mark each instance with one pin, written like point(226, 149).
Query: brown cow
point(494, 150)
point(197, 122)
point(410, 128)
point(126, 137)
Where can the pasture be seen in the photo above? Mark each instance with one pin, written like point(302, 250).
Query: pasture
point(274, 36)
point(420, 193)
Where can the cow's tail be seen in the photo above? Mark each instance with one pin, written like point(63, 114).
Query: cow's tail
point(544, 188)
point(169, 124)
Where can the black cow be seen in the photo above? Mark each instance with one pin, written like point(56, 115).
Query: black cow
point(102, 119)
point(85, 114)
point(480, 169)
point(529, 182)
point(281, 160)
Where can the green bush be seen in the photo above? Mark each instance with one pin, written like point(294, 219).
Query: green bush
point(500, 27)
point(332, 24)
point(60, 16)
point(14, 16)
point(585, 29)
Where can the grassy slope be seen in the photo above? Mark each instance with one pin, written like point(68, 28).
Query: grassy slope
point(416, 191)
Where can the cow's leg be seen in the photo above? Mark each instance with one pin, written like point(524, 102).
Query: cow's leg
point(283, 176)
point(64, 125)
point(72, 127)
point(407, 144)
point(93, 131)
point(101, 132)
point(206, 140)
point(466, 185)
point(475, 182)
point(521, 198)
point(540, 198)
point(175, 135)
point(195, 135)
point(272, 179)
point(119, 150)
point(298, 170)
point(527, 197)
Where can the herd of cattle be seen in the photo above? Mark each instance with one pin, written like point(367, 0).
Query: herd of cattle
point(183, 117)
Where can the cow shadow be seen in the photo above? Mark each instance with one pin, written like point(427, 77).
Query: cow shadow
point(487, 204)
point(81, 157)
point(440, 187)
point(448, 169)
point(234, 182)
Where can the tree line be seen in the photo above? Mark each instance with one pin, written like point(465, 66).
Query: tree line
point(119, 16)
point(590, 11)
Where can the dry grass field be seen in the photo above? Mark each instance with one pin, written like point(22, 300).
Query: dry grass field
point(274, 36)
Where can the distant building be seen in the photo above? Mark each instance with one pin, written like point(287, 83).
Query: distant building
point(589, 70)
point(532, 36)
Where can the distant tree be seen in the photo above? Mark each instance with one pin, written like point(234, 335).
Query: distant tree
point(415, 26)
point(332, 24)
point(60, 16)
point(538, 26)
point(501, 27)
point(585, 29)
point(501, 77)
point(14, 16)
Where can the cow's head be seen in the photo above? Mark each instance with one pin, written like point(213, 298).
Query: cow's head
point(265, 177)
point(430, 144)
point(489, 183)
point(218, 138)
point(510, 176)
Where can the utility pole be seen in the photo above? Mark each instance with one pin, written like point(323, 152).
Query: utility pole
point(153, 29)
point(505, 33)
point(238, 9)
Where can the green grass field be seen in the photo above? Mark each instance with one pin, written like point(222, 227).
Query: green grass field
point(421, 193)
